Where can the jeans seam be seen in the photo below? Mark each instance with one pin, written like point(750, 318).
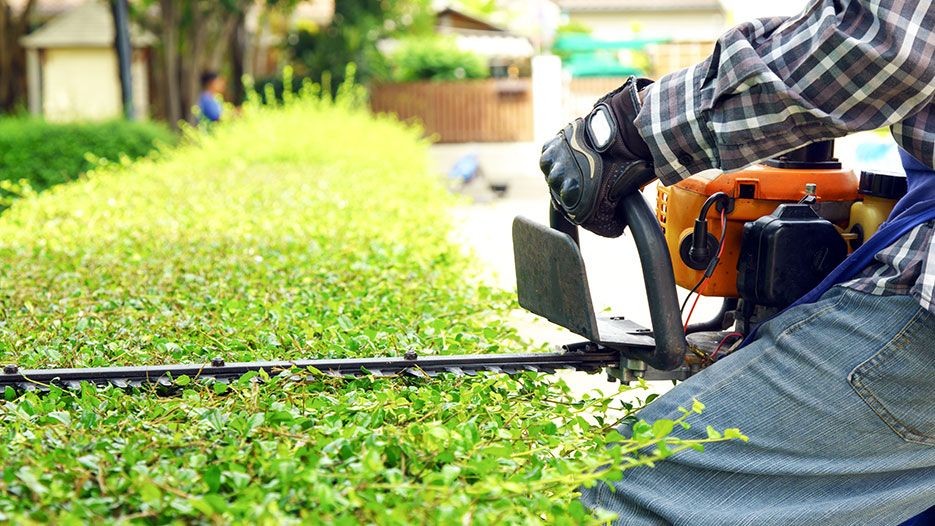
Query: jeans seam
point(864, 392)
point(792, 328)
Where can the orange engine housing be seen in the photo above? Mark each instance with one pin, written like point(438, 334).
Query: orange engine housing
point(756, 191)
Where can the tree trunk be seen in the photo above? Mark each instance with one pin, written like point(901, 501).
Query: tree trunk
point(194, 60)
point(170, 55)
point(12, 54)
point(238, 48)
point(5, 55)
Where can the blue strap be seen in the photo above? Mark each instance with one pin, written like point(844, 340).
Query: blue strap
point(926, 518)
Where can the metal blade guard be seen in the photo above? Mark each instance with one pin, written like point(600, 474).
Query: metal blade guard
point(551, 281)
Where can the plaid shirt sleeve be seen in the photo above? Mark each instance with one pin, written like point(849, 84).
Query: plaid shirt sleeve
point(772, 85)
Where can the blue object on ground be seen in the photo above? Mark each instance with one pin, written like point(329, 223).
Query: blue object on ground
point(465, 169)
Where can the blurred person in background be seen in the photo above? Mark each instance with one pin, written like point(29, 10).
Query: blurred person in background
point(210, 102)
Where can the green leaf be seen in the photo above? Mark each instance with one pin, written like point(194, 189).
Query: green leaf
point(713, 433)
point(450, 473)
point(217, 502)
point(27, 477)
point(62, 417)
point(202, 505)
point(735, 434)
point(150, 493)
point(212, 477)
point(662, 428)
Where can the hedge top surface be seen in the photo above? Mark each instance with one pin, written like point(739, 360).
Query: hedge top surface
point(315, 231)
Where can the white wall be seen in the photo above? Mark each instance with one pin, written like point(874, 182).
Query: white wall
point(83, 84)
point(80, 84)
point(140, 79)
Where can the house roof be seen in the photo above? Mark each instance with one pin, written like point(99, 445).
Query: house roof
point(480, 36)
point(88, 25)
point(455, 19)
point(578, 6)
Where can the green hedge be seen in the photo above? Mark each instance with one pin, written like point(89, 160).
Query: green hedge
point(46, 154)
point(314, 230)
point(435, 58)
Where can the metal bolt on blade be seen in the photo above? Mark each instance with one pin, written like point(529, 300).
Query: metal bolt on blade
point(10, 369)
point(217, 361)
point(410, 355)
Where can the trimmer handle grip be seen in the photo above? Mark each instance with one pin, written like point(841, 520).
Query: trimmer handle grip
point(658, 278)
point(558, 221)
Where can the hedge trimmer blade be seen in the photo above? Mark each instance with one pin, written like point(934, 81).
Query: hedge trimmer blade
point(592, 359)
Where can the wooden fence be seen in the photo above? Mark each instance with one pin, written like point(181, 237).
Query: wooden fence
point(494, 110)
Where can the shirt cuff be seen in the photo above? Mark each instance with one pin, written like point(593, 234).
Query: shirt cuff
point(678, 133)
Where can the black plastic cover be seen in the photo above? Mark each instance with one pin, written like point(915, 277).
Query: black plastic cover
point(814, 156)
point(786, 254)
point(881, 184)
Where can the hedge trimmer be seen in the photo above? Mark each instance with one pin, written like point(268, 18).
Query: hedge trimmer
point(781, 227)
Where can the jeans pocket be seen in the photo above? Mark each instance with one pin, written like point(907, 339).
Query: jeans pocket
point(898, 382)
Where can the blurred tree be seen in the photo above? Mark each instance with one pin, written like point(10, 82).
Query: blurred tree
point(358, 25)
point(479, 7)
point(573, 27)
point(197, 35)
point(435, 58)
point(13, 25)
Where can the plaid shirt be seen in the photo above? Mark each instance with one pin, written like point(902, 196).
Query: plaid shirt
point(774, 84)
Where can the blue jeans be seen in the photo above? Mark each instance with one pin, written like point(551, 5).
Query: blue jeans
point(838, 399)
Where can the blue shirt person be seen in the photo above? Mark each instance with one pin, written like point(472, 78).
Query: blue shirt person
point(209, 102)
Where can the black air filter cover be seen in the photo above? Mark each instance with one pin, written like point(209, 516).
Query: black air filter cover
point(786, 254)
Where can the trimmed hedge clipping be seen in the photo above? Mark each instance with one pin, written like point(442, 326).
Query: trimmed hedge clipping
point(312, 230)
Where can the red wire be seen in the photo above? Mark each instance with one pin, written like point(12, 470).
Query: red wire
point(723, 341)
point(690, 311)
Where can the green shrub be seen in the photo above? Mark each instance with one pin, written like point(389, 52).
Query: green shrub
point(45, 154)
point(435, 58)
point(311, 230)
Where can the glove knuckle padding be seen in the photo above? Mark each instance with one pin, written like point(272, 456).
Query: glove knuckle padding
point(594, 162)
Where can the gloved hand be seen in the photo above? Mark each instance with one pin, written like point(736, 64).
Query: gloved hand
point(598, 159)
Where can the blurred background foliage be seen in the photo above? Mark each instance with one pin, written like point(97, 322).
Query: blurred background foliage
point(434, 58)
point(322, 53)
point(36, 155)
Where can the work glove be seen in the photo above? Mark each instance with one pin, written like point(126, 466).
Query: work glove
point(595, 161)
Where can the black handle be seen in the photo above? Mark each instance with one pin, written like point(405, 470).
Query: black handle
point(660, 283)
point(558, 221)
point(664, 310)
